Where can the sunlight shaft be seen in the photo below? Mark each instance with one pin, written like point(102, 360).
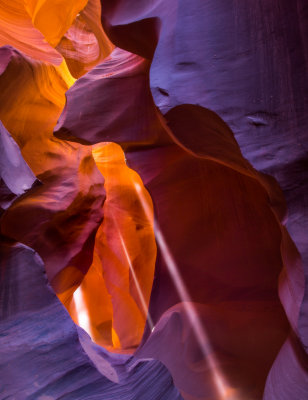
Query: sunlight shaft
point(222, 388)
point(136, 282)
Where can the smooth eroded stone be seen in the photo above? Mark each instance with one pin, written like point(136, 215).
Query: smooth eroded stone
point(85, 44)
point(59, 218)
point(44, 355)
point(245, 63)
point(16, 176)
point(17, 30)
point(113, 95)
point(53, 17)
point(213, 213)
point(112, 301)
point(288, 378)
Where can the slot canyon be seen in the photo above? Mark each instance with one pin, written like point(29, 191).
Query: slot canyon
point(153, 200)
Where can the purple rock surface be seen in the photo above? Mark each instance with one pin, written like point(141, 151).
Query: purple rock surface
point(209, 101)
point(44, 355)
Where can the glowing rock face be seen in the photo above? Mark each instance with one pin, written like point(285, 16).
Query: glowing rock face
point(214, 177)
point(115, 291)
point(125, 245)
point(67, 206)
point(85, 44)
point(46, 17)
point(40, 31)
point(160, 239)
point(64, 361)
point(17, 30)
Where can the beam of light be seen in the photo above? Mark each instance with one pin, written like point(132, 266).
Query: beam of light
point(224, 391)
point(137, 284)
point(82, 315)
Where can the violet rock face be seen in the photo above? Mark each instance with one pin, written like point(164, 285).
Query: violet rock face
point(16, 176)
point(163, 254)
point(45, 355)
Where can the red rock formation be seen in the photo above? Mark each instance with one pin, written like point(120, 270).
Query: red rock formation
point(59, 218)
point(216, 301)
point(85, 44)
point(116, 289)
point(208, 202)
point(17, 30)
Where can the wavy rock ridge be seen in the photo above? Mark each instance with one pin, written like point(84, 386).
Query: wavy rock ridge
point(159, 229)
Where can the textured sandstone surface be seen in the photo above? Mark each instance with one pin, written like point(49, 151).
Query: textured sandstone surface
point(189, 250)
point(44, 355)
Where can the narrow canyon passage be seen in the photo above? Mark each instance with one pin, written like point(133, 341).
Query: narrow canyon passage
point(154, 212)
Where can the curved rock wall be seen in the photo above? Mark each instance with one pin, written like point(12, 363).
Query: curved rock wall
point(183, 258)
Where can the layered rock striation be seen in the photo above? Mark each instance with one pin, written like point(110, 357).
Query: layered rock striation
point(142, 149)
